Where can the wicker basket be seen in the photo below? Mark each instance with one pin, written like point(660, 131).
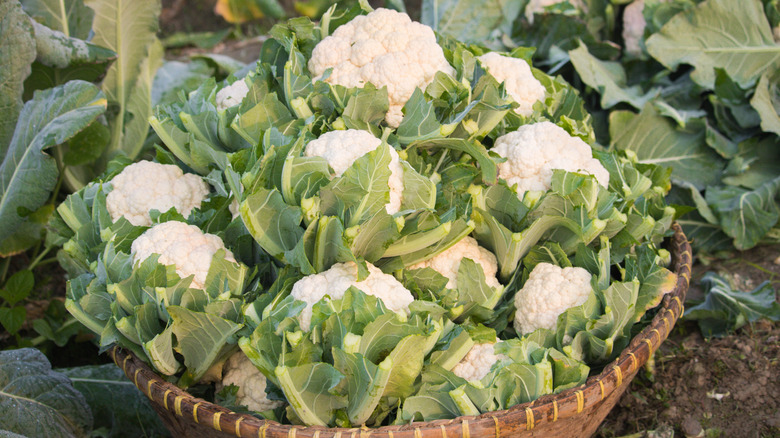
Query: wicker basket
point(577, 412)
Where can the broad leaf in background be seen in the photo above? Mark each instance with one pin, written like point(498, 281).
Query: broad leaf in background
point(725, 309)
point(609, 79)
point(27, 173)
point(17, 51)
point(36, 401)
point(658, 140)
point(766, 101)
point(745, 215)
point(469, 21)
point(128, 28)
point(119, 408)
point(727, 34)
point(241, 11)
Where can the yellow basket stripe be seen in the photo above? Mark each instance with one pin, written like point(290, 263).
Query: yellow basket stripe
point(498, 429)
point(580, 401)
point(619, 374)
point(679, 304)
point(165, 399)
point(293, 431)
point(149, 388)
point(261, 432)
point(649, 345)
point(215, 421)
point(666, 324)
point(177, 404)
point(465, 427)
point(603, 393)
point(634, 362)
point(657, 333)
point(417, 433)
point(124, 363)
point(529, 419)
point(195, 412)
point(135, 377)
point(238, 426)
point(443, 431)
point(390, 434)
point(555, 411)
point(316, 434)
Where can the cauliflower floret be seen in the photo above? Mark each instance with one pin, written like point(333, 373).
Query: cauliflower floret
point(145, 186)
point(634, 27)
point(240, 371)
point(534, 150)
point(336, 280)
point(549, 291)
point(385, 48)
point(342, 148)
point(447, 262)
point(182, 245)
point(538, 7)
point(477, 362)
point(520, 82)
point(232, 95)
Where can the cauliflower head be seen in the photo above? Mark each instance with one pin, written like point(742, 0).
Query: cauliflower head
point(549, 291)
point(145, 186)
point(182, 245)
point(447, 262)
point(538, 7)
point(340, 277)
point(385, 48)
point(535, 150)
point(520, 82)
point(240, 371)
point(477, 362)
point(342, 148)
point(232, 95)
point(634, 27)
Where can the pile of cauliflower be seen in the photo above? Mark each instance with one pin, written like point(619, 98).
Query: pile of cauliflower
point(384, 48)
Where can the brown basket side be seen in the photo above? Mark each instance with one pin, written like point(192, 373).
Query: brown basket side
point(575, 412)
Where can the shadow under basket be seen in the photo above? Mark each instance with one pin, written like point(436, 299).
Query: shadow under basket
point(576, 412)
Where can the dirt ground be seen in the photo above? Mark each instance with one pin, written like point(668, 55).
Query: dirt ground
point(727, 387)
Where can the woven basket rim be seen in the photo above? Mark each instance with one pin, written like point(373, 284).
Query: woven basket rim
point(548, 408)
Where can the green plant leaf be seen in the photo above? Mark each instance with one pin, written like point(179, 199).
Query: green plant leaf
point(128, 27)
point(12, 318)
point(745, 215)
point(18, 287)
point(36, 401)
point(27, 174)
point(766, 101)
point(724, 309)
point(658, 140)
point(469, 21)
point(70, 17)
point(734, 36)
point(119, 408)
point(17, 50)
point(608, 79)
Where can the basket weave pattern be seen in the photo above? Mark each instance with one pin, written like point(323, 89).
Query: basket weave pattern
point(576, 412)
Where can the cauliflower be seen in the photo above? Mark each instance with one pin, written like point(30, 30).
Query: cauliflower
point(232, 95)
point(240, 371)
point(520, 82)
point(145, 186)
point(478, 361)
point(634, 27)
point(447, 262)
point(534, 150)
point(384, 48)
point(182, 245)
point(549, 291)
point(342, 148)
point(538, 7)
point(336, 280)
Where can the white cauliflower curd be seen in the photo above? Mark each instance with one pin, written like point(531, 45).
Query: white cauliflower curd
point(477, 362)
point(634, 27)
point(340, 277)
point(145, 186)
point(385, 48)
point(447, 262)
point(538, 7)
point(520, 82)
point(549, 291)
point(535, 150)
point(342, 148)
point(232, 95)
point(240, 371)
point(182, 245)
